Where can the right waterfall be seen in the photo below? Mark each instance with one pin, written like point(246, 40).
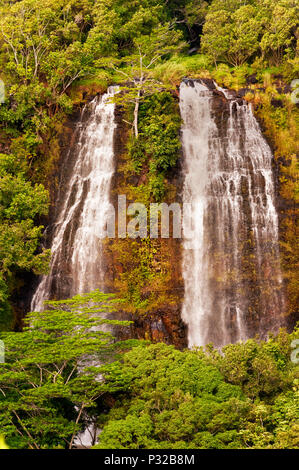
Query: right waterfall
point(231, 268)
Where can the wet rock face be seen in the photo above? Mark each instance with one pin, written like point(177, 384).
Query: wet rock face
point(58, 193)
point(164, 323)
point(81, 202)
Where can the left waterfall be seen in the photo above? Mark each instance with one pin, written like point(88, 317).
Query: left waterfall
point(77, 263)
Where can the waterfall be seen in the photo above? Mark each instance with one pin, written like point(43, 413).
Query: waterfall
point(77, 263)
point(233, 286)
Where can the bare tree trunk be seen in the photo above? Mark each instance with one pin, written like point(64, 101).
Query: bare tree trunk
point(136, 115)
point(76, 422)
point(26, 430)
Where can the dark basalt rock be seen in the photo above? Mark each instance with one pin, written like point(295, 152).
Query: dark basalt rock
point(287, 89)
point(188, 81)
point(209, 83)
point(243, 91)
point(219, 94)
point(251, 79)
point(163, 326)
point(276, 103)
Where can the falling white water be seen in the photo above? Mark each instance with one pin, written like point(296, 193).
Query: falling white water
point(77, 259)
point(233, 287)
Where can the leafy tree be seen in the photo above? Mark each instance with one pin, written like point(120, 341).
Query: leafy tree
point(280, 28)
point(235, 32)
point(262, 369)
point(46, 41)
point(246, 397)
point(20, 203)
point(172, 399)
point(216, 35)
point(231, 32)
point(158, 144)
point(52, 369)
point(189, 15)
point(148, 50)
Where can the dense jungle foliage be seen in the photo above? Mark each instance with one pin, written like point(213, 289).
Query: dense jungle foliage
point(55, 55)
point(150, 395)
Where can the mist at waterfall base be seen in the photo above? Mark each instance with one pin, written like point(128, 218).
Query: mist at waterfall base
point(231, 272)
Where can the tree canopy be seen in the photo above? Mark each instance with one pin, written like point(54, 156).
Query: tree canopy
point(246, 398)
point(52, 368)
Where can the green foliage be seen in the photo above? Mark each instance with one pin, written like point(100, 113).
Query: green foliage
point(191, 399)
point(172, 398)
point(118, 24)
point(35, 39)
point(157, 185)
point(158, 144)
point(48, 379)
point(248, 395)
point(172, 71)
point(280, 20)
point(232, 77)
point(160, 123)
point(20, 203)
point(147, 272)
point(236, 32)
point(148, 50)
point(262, 369)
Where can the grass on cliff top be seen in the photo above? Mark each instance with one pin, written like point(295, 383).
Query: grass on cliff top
point(172, 71)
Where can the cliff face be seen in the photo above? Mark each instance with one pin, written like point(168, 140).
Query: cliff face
point(156, 311)
point(155, 303)
point(159, 319)
point(234, 289)
point(147, 273)
point(278, 119)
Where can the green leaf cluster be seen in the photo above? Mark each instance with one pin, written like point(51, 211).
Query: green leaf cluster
point(20, 203)
point(158, 145)
point(245, 397)
point(51, 373)
point(235, 32)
